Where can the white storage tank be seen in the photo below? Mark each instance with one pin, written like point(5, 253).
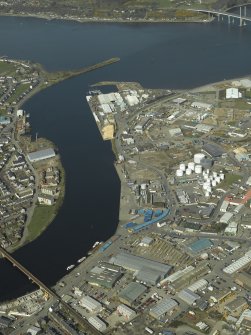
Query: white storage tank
point(198, 157)
point(188, 171)
point(222, 176)
point(215, 174)
point(183, 167)
point(198, 169)
point(191, 165)
point(214, 183)
point(179, 173)
point(218, 180)
point(207, 194)
point(209, 189)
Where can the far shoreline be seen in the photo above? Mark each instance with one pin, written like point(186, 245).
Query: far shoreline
point(100, 21)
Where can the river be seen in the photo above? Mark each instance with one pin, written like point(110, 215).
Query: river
point(159, 55)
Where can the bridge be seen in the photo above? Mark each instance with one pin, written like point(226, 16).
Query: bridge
point(72, 312)
point(230, 16)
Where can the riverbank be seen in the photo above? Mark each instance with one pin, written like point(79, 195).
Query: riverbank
point(48, 17)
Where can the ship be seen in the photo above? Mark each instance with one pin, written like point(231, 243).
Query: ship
point(95, 244)
point(81, 259)
point(70, 267)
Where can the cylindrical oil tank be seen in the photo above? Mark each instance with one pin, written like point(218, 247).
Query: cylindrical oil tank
point(179, 173)
point(188, 171)
point(198, 169)
point(183, 167)
point(191, 165)
point(206, 163)
point(198, 157)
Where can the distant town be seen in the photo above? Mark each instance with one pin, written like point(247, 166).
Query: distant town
point(180, 260)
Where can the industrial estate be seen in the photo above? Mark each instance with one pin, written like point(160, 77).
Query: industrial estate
point(180, 260)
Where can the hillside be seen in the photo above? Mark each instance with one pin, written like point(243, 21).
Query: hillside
point(117, 10)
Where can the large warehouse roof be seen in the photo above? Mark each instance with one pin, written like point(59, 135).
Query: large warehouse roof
point(200, 284)
point(213, 150)
point(136, 263)
point(41, 154)
point(163, 307)
point(131, 292)
point(188, 296)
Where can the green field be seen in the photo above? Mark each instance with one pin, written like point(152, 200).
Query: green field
point(229, 180)
point(7, 68)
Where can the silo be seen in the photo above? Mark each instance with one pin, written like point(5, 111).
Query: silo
point(222, 176)
point(183, 167)
point(214, 183)
point(218, 180)
point(179, 173)
point(198, 169)
point(188, 171)
point(191, 165)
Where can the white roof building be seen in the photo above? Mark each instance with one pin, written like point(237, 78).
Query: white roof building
point(41, 154)
point(90, 304)
point(239, 264)
point(163, 307)
point(233, 93)
point(199, 285)
point(224, 206)
point(226, 217)
point(97, 323)
point(126, 311)
point(231, 229)
point(188, 296)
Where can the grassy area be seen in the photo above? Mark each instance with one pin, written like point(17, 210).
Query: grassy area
point(42, 217)
point(230, 179)
point(7, 68)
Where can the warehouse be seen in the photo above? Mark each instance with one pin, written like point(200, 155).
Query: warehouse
point(165, 306)
point(213, 150)
point(104, 274)
point(90, 304)
point(200, 244)
point(203, 105)
point(131, 293)
point(188, 296)
point(224, 206)
point(237, 306)
point(244, 280)
point(41, 155)
point(97, 323)
point(178, 274)
point(199, 285)
point(226, 217)
point(125, 311)
point(239, 264)
point(138, 264)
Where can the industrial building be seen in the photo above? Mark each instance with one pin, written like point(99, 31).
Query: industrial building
point(165, 306)
point(213, 150)
point(244, 280)
point(201, 105)
point(237, 306)
point(199, 285)
point(239, 264)
point(97, 323)
point(233, 93)
point(224, 206)
point(41, 155)
point(189, 297)
point(131, 293)
point(125, 311)
point(90, 304)
point(226, 217)
point(178, 274)
point(200, 245)
point(144, 269)
point(104, 274)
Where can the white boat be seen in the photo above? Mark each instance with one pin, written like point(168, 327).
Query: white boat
point(95, 244)
point(70, 267)
point(81, 259)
